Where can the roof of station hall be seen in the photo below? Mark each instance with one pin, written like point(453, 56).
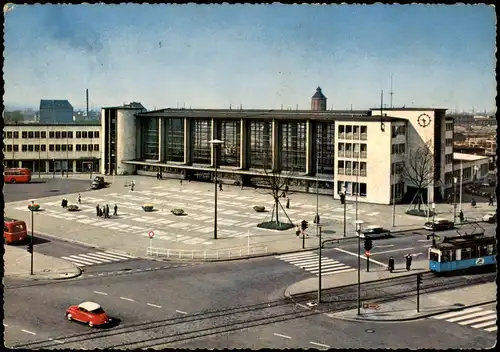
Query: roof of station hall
point(327, 115)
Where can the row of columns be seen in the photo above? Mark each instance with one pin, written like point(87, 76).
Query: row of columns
point(275, 143)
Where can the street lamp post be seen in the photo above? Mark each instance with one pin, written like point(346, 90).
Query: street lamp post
point(216, 143)
point(317, 195)
point(32, 234)
point(53, 168)
point(319, 266)
point(358, 231)
point(454, 198)
point(433, 222)
point(345, 201)
point(461, 182)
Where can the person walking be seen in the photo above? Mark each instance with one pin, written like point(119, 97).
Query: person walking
point(97, 210)
point(220, 186)
point(115, 210)
point(391, 264)
point(103, 211)
point(107, 211)
point(297, 231)
point(132, 186)
point(408, 262)
point(79, 199)
point(287, 203)
point(490, 203)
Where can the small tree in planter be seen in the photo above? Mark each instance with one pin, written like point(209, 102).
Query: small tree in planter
point(34, 207)
point(148, 207)
point(72, 207)
point(178, 211)
point(259, 209)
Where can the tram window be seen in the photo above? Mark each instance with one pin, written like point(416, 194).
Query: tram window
point(445, 257)
point(483, 250)
point(474, 253)
point(490, 249)
point(454, 254)
point(434, 256)
point(466, 253)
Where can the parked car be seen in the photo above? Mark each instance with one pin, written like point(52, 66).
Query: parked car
point(375, 232)
point(88, 313)
point(490, 217)
point(439, 225)
point(98, 182)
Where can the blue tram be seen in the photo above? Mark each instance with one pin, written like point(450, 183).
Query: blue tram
point(462, 253)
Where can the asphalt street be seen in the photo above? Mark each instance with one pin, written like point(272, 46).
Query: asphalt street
point(45, 187)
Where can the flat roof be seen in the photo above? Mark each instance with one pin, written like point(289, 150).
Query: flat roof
point(468, 157)
point(326, 115)
point(410, 109)
point(32, 124)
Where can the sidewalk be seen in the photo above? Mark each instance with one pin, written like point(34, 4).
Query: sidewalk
point(350, 278)
point(430, 304)
point(18, 264)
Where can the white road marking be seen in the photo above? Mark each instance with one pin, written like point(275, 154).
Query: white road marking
point(138, 269)
point(5, 325)
point(149, 269)
point(100, 274)
point(319, 344)
point(284, 336)
point(153, 305)
point(58, 341)
point(385, 246)
point(118, 254)
point(119, 272)
point(127, 299)
point(28, 332)
point(101, 293)
point(453, 314)
point(157, 268)
point(303, 306)
point(392, 250)
point(362, 256)
point(424, 240)
point(180, 312)
point(427, 245)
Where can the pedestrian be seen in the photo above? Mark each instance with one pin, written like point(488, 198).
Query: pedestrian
point(473, 202)
point(461, 216)
point(491, 200)
point(79, 199)
point(161, 176)
point(220, 186)
point(181, 182)
point(103, 214)
point(297, 231)
point(115, 210)
point(132, 185)
point(107, 211)
point(287, 203)
point(62, 203)
point(391, 264)
point(157, 176)
point(408, 262)
point(65, 201)
point(97, 210)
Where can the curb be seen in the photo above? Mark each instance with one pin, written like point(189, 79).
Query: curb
point(28, 277)
point(417, 317)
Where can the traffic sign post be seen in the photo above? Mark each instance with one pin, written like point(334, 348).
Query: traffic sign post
point(367, 253)
point(151, 234)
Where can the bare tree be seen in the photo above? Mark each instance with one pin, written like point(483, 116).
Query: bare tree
point(276, 184)
point(419, 170)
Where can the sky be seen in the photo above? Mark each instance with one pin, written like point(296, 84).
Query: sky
point(253, 56)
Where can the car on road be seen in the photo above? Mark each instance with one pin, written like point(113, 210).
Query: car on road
point(89, 313)
point(439, 225)
point(490, 217)
point(98, 183)
point(14, 231)
point(375, 232)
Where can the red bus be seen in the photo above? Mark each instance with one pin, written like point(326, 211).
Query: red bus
point(20, 175)
point(14, 231)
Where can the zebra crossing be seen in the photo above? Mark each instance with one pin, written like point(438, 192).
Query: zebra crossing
point(96, 258)
point(476, 317)
point(309, 262)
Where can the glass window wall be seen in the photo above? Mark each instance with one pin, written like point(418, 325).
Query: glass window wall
point(326, 146)
point(293, 146)
point(229, 132)
point(150, 138)
point(201, 137)
point(174, 139)
point(260, 144)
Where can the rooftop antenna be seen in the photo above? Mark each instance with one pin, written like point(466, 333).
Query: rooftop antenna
point(297, 107)
point(184, 105)
point(391, 93)
point(87, 101)
point(230, 105)
point(382, 127)
point(177, 104)
point(241, 106)
point(281, 106)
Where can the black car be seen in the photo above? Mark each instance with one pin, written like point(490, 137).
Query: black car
point(375, 232)
point(98, 182)
point(439, 225)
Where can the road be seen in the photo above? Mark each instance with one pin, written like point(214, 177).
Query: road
point(45, 187)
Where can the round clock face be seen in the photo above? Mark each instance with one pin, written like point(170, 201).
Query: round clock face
point(424, 120)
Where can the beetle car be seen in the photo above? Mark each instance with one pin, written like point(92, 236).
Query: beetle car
point(89, 313)
point(98, 183)
point(375, 232)
point(439, 225)
point(490, 217)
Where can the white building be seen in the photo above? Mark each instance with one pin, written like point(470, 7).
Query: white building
point(473, 167)
point(48, 148)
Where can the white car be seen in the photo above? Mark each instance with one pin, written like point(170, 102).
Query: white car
point(375, 232)
point(490, 217)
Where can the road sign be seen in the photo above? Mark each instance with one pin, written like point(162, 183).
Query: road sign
point(371, 306)
point(151, 234)
point(479, 261)
point(367, 253)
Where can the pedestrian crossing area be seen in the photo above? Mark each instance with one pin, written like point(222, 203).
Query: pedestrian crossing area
point(476, 317)
point(96, 258)
point(309, 261)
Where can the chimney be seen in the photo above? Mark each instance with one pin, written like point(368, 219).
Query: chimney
point(87, 100)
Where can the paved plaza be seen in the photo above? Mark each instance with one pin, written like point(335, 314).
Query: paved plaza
point(128, 232)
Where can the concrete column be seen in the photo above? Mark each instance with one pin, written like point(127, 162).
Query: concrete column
point(19, 163)
point(74, 165)
point(47, 166)
point(310, 149)
point(275, 145)
point(161, 140)
point(187, 141)
point(213, 135)
point(243, 144)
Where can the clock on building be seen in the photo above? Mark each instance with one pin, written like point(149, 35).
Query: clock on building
point(424, 120)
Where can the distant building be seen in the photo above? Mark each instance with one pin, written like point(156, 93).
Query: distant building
point(56, 111)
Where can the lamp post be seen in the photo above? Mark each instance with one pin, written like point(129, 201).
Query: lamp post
point(345, 201)
point(53, 168)
point(454, 198)
point(461, 182)
point(319, 267)
point(393, 201)
point(358, 231)
point(32, 234)
point(317, 195)
point(67, 156)
point(215, 143)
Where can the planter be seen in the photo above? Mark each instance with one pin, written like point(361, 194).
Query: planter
point(177, 211)
point(259, 209)
point(34, 207)
point(148, 207)
point(72, 207)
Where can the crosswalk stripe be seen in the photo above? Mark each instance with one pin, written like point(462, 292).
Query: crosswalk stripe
point(77, 262)
point(296, 260)
point(96, 260)
point(100, 257)
point(317, 264)
point(452, 314)
point(493, 328)
point(113, 256)
point(468, 316)
point(303, 262)
point(295, 255)
point(337, 268)
point(332, 265)
point(83, 260)
point(336, 272)
point(120, 254)
point(493, 321)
